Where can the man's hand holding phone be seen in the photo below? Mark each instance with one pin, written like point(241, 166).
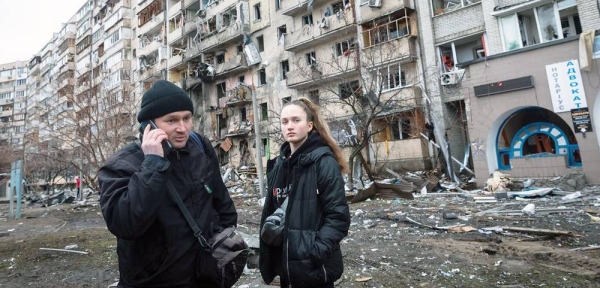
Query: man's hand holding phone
point(152, 141)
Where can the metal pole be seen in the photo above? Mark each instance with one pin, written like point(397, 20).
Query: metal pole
point(258, 144)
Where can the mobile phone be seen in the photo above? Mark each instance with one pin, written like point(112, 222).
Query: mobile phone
point(165, 144)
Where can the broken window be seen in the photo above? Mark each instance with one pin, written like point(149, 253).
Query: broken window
point(282, 30)
point(390, 77)
point(386, 28)
point(260, 43)
point(264, 112)
point(257, 16)
point(460, 51)
point(307, 20)
point(239, 49)
point(286, 100)
point(243, 114)
point(540, 24)
point(221, 90)
point(337, 7)
point(311, 58)
point(395, 127)
point(348, 89)
point(222, 124)
point(313, 95)
point(277, 5)
point(344, 47)
point(445, 6)
point(220, 58)
point(149, 13)
point(241, 79)
point(285, 67)
point(262, 77)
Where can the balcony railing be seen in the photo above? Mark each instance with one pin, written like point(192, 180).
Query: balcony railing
point(149, 48)
point(175, 35)
point(311, 35)
point(387, 32)
point(324, 70)
point(294, 7)
point(233, 65)
point(229, 34)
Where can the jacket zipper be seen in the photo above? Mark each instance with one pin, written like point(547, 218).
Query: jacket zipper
point(325, 271)
point(287, 259)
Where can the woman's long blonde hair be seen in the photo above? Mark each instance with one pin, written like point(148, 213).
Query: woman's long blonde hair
point(313, 114)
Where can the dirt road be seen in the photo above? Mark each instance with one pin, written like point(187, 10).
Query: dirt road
point(383, 249)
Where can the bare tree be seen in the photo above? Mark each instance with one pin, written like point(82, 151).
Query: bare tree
point(366, 87)
point(83, 122)
point(6, 158)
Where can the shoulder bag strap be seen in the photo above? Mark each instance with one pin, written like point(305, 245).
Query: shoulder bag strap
point(188, 217)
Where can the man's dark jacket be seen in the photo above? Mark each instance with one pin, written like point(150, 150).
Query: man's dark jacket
point(155, 244)
point(317, 219)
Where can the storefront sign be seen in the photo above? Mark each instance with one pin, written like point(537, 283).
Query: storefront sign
point(566, 86)
point(581, 120)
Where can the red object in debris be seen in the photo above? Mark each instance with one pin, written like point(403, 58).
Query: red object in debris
point(347, 52)
point(77, 182)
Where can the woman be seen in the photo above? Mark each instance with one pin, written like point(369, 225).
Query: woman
point(308, 172)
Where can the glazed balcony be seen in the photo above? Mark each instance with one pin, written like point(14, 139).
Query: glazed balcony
point(175, 61)
point(313, 35)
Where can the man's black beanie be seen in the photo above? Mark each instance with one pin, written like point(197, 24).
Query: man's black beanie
point(163, 98)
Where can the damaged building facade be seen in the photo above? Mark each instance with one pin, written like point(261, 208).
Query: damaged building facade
point(225, 53)
point(522, 84)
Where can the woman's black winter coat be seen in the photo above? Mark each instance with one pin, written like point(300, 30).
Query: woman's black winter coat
point(317, 219)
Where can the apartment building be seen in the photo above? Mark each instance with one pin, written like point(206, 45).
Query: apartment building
point(524, 86)
point(79, 91)
point(225, 53)
point(13, 95)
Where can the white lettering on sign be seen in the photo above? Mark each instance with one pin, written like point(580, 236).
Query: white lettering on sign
point(566, 86)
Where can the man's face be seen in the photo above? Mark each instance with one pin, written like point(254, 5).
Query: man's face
point(177, 125)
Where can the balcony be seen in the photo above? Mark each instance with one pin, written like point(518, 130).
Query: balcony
point(326, 70)
point(124, 64)
point(310, 36)
point(175, 61)
point(188, 3)
point(295, 7)
point(149, 48)
point(152, 73)
point(401, 49)
point(173, 10)
point(230, 34)
point(6, 113)
point(190, 26)
point(175, 35)
point(64, 83)
point(152, 26)
point(466, 21)
point(368, 13)
point(233, 65)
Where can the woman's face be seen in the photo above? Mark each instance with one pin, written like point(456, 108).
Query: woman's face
point(294, 125)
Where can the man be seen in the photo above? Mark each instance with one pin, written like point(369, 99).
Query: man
point(155, 244)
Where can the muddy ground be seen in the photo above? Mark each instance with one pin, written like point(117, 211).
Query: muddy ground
point(382, 249)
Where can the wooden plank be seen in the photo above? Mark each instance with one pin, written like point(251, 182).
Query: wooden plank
point(541, 231)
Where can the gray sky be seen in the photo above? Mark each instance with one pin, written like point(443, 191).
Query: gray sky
point(26, 25)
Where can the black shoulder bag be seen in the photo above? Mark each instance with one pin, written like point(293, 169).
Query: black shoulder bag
point(228, 250)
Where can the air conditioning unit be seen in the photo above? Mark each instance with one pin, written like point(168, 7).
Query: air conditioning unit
point(324, 23)
point(375, 3)
point(449, 78)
